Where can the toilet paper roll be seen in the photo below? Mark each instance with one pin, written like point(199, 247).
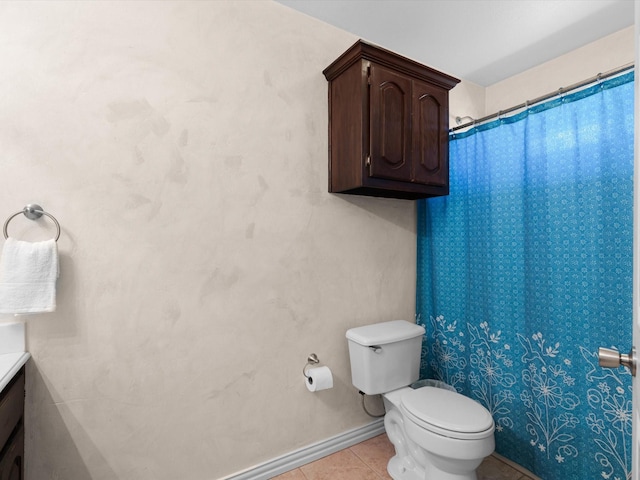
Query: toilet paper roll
point(319, 378)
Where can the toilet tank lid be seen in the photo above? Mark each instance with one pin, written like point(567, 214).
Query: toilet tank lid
point(385, 332)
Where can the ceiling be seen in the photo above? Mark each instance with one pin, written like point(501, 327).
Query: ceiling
point(483, 41)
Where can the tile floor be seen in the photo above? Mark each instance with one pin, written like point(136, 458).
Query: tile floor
point(368, 461)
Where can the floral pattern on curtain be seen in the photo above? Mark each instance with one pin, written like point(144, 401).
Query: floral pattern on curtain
point(525, 269)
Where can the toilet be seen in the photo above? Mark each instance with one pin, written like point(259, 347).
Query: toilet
point(438, 434)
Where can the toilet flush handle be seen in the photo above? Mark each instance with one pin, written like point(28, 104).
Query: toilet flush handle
point(376, 348)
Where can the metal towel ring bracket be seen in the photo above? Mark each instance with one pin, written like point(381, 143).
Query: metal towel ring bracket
point(32, 211)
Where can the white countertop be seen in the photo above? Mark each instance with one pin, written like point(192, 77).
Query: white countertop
point(10, 364)
point(12, 351)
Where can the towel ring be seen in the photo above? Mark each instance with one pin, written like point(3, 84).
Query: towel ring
point(32, 211)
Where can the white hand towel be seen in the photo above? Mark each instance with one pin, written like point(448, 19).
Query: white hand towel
point(28, 275)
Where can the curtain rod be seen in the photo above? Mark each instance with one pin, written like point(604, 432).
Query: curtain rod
point(560, 91)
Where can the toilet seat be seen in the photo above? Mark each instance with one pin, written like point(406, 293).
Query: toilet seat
point(447, 413)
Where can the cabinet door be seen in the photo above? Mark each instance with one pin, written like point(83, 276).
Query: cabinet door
point(430, 135)
point(390, 121)
point(12, 463)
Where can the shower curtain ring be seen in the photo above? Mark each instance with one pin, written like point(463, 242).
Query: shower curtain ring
point(561, 94)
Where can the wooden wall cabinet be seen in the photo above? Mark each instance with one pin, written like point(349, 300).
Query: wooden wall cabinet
point(388, 125)
point(12, 429)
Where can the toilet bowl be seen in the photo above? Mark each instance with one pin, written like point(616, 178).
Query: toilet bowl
point(437, 433)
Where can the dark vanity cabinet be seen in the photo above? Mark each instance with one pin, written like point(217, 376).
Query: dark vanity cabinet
point(12, 429)
point(388, 125)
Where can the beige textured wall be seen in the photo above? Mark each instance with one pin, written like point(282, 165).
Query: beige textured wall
point(606, 54)
point(601, 56)
point(467, 99)
point(183, 148)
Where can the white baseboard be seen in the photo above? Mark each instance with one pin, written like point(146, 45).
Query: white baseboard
point(310, 453)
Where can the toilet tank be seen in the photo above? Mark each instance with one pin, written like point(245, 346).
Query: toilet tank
point(385, 356)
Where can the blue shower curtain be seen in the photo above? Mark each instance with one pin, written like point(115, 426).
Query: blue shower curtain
point(525, 269)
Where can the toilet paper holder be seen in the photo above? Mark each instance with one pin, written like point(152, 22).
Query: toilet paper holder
point(311, 360)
